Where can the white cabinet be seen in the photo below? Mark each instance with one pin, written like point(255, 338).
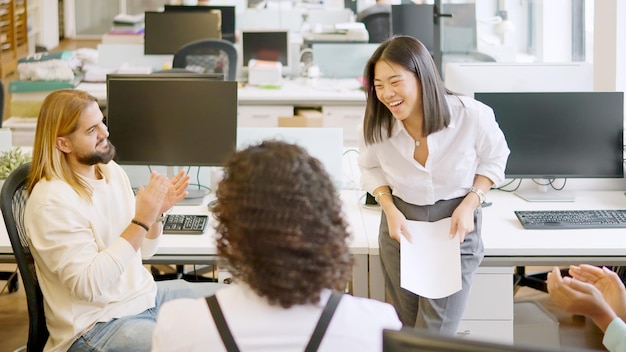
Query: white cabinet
point(261, 116)
point(346, 117)
point(489, 311)
point(485, 330)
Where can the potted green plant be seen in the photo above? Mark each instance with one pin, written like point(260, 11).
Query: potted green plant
point(10, 160)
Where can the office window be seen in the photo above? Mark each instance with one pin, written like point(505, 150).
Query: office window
point(518, 31)
point(505, 30)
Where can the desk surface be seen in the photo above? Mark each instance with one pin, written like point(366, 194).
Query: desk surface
point(507, 242)
point(178, 246)
point(320, 91)
point(292, 91)
point(504, 235)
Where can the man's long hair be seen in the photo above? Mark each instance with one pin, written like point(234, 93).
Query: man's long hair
point(58, 117)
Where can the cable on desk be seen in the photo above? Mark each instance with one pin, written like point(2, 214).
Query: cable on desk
point(551, 184)
point(353, 175)
point(503, 187)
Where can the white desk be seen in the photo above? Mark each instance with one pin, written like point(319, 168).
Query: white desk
point(300, 91)
point(200, 249)
point(507, 244)
point(321, 91)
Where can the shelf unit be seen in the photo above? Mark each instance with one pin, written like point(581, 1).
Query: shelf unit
point(13, 34)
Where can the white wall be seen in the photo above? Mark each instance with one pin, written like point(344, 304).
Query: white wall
point(610, 46)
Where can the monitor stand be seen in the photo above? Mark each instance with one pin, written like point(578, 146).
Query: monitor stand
point(543, 194)
point(195, 196)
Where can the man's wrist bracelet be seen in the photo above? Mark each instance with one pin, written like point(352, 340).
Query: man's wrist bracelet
point(138, 223)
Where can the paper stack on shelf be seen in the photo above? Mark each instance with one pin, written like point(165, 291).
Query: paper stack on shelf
point(126, 29)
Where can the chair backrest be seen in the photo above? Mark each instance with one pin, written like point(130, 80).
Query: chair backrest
point(13, 199)
point(1, 103)
point(208, 56)
point(378, 26)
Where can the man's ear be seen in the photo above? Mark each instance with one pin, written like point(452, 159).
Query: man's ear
point(64, 145)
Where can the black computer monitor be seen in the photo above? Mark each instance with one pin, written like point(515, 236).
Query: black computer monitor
point(166, 32)
point(561, 134)
point(228, 16)
point(172, 119)
point(459, 34)
point(413, 340)
point(266, 45)
point(350, 4)
point(416, 21)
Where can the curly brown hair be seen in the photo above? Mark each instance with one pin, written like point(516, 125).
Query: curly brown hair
point(280, 224)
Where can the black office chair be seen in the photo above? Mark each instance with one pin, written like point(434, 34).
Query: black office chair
point(9, 276)
point(208, 56)
point(537, 280)
point(12, 203)
point(1, 103)
point(378, 26)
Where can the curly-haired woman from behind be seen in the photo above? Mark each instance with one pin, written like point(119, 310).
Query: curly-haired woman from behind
point(280, 228)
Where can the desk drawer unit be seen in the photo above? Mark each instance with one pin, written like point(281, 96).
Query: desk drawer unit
point(346, 117)
point(261, 116)
point(492, 331)
point(489, 311)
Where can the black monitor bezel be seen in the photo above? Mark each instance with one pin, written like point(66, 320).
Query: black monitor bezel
point(229, 16)
point(245, 53)
point(409, 19)
point(228, 127)
point(525, 99)
point(160, 40)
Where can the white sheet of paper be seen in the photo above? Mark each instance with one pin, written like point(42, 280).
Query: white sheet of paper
point(430, 266)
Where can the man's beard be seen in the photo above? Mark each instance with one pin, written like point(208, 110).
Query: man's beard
point(98, 157)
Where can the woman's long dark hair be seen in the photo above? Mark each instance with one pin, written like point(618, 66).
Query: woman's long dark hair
point(411, 54)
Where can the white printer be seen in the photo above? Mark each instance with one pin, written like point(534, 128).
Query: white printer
point(261, 72)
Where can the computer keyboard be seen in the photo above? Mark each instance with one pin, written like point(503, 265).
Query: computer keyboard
point(571, 219)
point(185, 224)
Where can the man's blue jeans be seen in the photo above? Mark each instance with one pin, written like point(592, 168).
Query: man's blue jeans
point(134, 333)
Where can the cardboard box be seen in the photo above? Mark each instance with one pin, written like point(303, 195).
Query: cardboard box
point(300, 121)
point(309, 113)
